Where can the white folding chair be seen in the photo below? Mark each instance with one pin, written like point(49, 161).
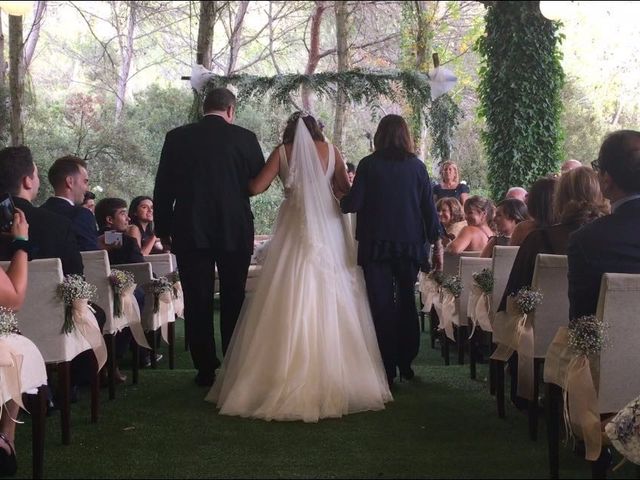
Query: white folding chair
point(619, 363)
point(469, 266)
point(40, 320)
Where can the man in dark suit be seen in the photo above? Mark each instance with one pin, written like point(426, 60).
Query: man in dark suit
point(51, 235)
point(610, 244)
point(69, 178)
point(392, 196)
point(202, 211)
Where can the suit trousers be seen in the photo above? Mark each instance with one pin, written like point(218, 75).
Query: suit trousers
point(198, 282)
point(391, 291)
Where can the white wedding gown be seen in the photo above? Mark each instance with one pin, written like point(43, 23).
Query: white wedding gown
point(305, 347)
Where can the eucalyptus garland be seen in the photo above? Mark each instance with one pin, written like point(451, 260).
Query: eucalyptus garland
point(441, 116)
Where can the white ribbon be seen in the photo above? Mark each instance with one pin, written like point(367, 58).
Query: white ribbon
point(479, 309)
point(429, 291)
point(166, 314)
point(178, 299)
point(87, 325)
point(448, 314)
point(131, 311)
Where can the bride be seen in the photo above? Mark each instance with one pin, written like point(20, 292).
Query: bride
point(304, 347)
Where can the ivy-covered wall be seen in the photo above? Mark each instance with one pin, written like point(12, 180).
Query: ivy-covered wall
point(520, 82)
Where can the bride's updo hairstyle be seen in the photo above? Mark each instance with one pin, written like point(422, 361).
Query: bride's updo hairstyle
point(393, 134)
point(309, 121)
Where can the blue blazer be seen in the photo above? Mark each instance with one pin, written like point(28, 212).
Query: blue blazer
point(83, 222)
point(609, 244)
point(394, 202)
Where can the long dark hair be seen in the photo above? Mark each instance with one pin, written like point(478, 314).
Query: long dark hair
point(540, 201)
point(312, 125)
point(393, 134)
point(133, 215)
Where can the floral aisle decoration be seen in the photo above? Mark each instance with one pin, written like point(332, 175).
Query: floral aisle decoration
point(158, 287)
point(479, 302)
point(8, 322)
point(587, 336)
point(624, 431)
point(73, 288)
point(76, 292)
point(447, 308)
point(120, 281)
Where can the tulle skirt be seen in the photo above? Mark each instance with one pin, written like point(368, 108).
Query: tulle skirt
point(304, 347)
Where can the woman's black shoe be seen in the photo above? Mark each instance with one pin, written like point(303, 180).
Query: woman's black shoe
point(8, 463)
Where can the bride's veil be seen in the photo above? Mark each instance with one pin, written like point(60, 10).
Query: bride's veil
point(310, 196)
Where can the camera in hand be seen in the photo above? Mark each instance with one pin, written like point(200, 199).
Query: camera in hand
point(7, 210)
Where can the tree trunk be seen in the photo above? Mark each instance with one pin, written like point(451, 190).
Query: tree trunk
point(16, 79)
point(4, 111)
point(342, 30)
point(314, 50)
point(34, 35)
point(235, 39)
point(423, 47)
point(205, 32)
point(126, 55)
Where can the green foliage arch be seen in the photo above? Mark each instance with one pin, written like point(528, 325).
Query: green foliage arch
point(520, 84)
point(442, 116)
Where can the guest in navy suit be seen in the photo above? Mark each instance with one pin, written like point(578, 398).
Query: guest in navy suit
point(393, 198)
point(610, 244)
point(69, 178)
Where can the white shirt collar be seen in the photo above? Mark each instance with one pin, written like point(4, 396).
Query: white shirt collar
point(67, 200)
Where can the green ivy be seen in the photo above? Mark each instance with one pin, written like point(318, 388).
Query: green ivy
point(359, 85)
point(520, 83)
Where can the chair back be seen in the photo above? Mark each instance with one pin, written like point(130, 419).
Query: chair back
point(451, 261)
point(618, 306)
point(503, 258)
point(162, 264)
point(42, 314)
point(96, 272)
point(550, 277)
point(469, 266)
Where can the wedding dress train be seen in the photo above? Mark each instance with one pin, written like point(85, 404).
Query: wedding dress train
point(305, 347)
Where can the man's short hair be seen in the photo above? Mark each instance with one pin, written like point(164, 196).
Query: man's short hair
point(15, 164)
point(218, 100)
point(351, 167)
point(620, 157)
point(88, 195)
point(107, 207)
point(64, 167)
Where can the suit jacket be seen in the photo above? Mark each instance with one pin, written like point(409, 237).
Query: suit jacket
point(83, 222)
point(201, 195)
point(610, 244)
point(51, 236)
point(394, 202)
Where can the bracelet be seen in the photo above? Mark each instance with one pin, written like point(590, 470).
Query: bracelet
point(19, 237)
point(20, 244)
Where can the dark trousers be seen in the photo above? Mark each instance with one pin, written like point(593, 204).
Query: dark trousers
point(391, 292)
point(198, 280)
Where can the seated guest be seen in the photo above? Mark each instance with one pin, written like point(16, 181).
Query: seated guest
point(450, 185)
point(351, 172)
point(141, 227)
point(540, 208)
point(518, 193)
point(578, 201)
point(451, 218)
point(569, 165)
point(13, 288)
point(69, 178)
point(611, 243)
point(89, 201)
point(509, 213)
point(479, 213)
point(112, 216)
point(51, 235)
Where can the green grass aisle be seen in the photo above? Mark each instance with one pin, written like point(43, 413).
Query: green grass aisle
point(441, 425)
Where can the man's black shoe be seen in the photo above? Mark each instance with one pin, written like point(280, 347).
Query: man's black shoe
point(203, 380)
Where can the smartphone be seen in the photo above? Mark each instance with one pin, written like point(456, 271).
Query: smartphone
point(112, 237)
point(7, 210)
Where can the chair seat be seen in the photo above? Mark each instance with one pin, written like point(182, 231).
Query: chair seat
point(33, 372)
